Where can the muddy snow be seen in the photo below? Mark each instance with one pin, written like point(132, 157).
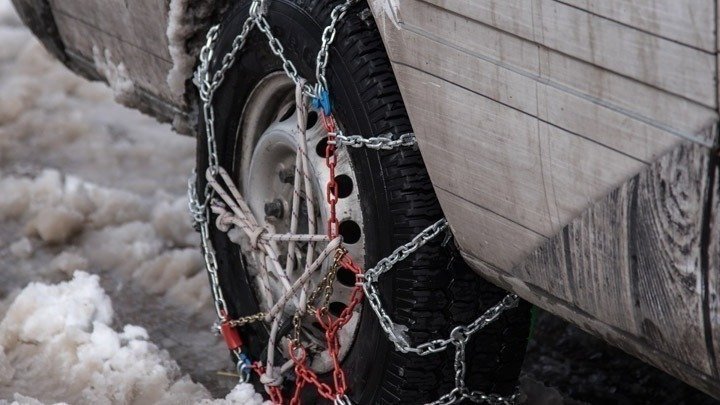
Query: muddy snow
point(104, 299)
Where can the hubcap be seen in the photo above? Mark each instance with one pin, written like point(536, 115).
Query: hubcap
point(266, 172)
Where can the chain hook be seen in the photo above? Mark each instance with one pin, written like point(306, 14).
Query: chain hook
point(243, 366)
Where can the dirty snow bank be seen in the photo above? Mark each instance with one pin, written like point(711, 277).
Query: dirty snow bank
point(58, 345)
point(108, 228)
point(87, 184)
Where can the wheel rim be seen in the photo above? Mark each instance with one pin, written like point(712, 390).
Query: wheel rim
point(264, 162)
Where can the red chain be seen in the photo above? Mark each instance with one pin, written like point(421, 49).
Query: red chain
point(303, 375)
point(275, 392)
point(332, 326)
point(298, 353)
point(331, 191)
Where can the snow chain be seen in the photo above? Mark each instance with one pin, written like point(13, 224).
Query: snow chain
point(227, 202)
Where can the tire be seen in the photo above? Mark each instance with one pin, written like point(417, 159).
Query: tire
point(431, 291)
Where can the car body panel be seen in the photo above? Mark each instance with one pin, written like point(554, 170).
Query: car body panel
point(574, 156)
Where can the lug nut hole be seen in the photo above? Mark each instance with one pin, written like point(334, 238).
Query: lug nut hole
point(321, 147)
point(336, 308)
point(288, 113)
point(312, 119)
point(345, 185)
point(274, 208)
point(346, 277)
point(350, 231)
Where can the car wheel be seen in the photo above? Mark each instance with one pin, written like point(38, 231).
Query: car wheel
point(386, 199)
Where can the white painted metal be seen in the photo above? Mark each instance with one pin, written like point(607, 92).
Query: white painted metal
point(267, 150)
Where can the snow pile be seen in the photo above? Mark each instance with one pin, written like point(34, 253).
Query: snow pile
point(122, 207)
point(50, 117)
point(57, 345)
point(242, 394)
point(112, 229)
point(87, 184)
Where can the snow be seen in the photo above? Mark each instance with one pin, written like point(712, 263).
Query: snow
point(59, 347)
point(188, 23)
point(22, 249)
point(178, 31)
point(103, 296)
point(116, 75)
point(57, 225)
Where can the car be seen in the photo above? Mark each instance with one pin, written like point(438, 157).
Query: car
point(572, 147)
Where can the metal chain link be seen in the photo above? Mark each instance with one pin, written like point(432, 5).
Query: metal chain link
point(459, 335)
point(325, 286)
point(384, 142)
point(245, 320)
point(200, 210)
point(207, 85)
point(278, 50)
point(328, 36)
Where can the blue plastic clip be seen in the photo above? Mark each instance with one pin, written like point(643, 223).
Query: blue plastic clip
point(322, 102)
point(244, 367)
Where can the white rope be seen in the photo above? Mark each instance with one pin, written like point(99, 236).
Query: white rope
point(270, 378)
point(226, 219)
point(276, 311)
point(264, 281)
point(290, 263)
point(302, 114)
point(247, 223)
point(305, 277)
